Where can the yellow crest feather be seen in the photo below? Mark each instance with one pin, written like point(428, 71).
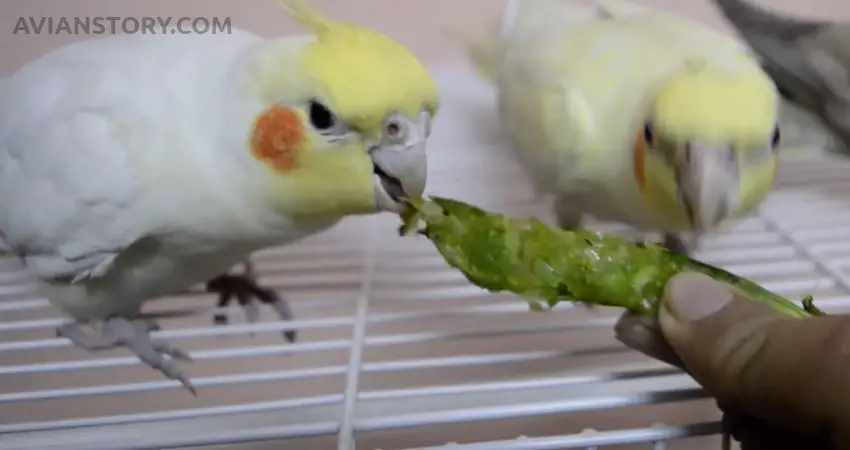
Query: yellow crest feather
point(306, 15)
point(363, 74)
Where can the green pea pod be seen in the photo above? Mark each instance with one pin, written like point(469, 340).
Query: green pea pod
point(542, 263)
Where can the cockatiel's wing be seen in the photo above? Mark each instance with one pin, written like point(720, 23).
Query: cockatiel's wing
point(808, 60)
point(526, 23)
point(538, 105)
point(78, 134)
point(76, 212)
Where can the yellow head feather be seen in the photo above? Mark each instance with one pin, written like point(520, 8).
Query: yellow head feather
point(363, 74)
point(715, 105)
point(712, 105)
point(360, 75)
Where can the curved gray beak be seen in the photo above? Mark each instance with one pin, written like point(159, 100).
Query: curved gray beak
point(707, 179)
point(401, 161)
point(399, 173)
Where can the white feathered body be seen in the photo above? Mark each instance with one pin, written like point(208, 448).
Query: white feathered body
point(124, 171)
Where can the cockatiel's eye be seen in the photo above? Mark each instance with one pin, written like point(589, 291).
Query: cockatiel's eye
point(776, 139)
point(396, 129)
point(324, 120)
point(647, 133)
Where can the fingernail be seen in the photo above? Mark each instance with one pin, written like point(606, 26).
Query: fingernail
point(693, 296)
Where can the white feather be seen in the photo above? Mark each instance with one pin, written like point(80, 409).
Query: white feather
point(118, 182)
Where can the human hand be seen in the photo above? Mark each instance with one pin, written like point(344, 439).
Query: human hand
point(786, 379)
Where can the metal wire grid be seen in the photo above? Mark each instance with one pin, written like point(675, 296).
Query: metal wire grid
point(397, 351)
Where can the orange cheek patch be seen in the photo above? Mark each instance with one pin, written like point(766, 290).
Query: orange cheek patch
point(639, 153)
point(277, 137)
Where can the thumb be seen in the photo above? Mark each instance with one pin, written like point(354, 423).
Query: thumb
point(783, 370)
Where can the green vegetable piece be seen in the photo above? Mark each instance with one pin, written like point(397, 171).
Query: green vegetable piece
point(537, 262)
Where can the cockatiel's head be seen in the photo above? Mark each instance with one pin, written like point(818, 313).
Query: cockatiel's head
point(708, 147)
point(341, 121)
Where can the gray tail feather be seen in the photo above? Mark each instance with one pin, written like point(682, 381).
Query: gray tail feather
point(749, 18)
point(772, 36)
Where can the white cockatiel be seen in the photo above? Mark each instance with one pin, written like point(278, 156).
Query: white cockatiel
point(135, 166)
point(632, 115)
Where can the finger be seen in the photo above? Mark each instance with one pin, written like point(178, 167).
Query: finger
point(642, 333)
point(785, 370)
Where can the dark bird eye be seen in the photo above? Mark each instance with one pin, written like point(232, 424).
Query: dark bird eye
point(321, 117)
point(647, 133)
point(774, 141)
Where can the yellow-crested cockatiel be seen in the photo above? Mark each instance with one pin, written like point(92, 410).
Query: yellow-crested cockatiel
point(135, 166)
point(633, 115)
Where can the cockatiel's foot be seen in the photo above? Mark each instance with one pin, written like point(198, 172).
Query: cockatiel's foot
point(247, 291)
point(134, 335)
point(681, 244)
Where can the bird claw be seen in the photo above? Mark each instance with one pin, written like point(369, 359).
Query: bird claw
point(247, 292)
point(681, 244)
point(586, 305)
point(135, 336)
point(252, 312)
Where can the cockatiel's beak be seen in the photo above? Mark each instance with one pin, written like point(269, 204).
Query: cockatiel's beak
point(400, 161)
point(707, 179)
